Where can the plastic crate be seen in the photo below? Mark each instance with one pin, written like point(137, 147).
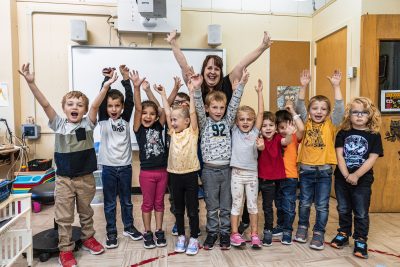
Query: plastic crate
point(5, 189)
point(40, 164)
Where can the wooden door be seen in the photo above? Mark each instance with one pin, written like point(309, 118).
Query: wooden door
point(287, 60)
point(331, 55)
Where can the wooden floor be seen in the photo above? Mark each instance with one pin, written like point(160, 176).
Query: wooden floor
point(384, 236)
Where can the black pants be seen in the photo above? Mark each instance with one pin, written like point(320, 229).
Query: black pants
point(184, 190)
point(354, 199)
point(268, 190)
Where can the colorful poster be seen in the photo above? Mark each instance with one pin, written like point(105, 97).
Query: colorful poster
point(4, 102)
point(286, 93)
point(390, 101)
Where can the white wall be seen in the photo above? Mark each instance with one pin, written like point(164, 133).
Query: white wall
point(381, 7)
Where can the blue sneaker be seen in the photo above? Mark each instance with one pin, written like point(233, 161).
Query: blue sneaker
point(277, 231)
point(286, 238)
point(175, 230)
point(200, 193)
point(193, 247)
point(180, 245)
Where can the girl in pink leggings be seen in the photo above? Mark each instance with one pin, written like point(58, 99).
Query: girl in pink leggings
point(148, 126)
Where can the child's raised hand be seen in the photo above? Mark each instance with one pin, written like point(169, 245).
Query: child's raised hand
point(266, 40)
point(335, 78)
point(260, 143)
point(24, 71)
point(290, 107)
point(235, 85)
point(290, 128)
point(108, 72)
point(245, 76)
point(124, 70)
point(305, 78)
point(146, 85)
point(171, 37)
point(113, 78)
point(259, 86)
point(196, 81)
point(135, 78)
point(159, 89)
point(177, 82)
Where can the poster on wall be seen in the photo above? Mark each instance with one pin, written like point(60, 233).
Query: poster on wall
point(4, 102)
point(286, 93)
point(390, 101)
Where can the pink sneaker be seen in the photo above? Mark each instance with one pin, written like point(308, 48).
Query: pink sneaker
point(237, 240)
point(255, 241)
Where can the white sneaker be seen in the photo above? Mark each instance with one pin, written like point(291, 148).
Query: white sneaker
point(180, 245)
point(193, 247)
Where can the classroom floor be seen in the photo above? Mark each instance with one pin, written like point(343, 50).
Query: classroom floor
point(384, 236)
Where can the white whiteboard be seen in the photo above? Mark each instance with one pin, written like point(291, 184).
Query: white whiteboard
point(158, 65)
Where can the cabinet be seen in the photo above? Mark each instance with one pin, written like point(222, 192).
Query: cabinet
point(14, 238)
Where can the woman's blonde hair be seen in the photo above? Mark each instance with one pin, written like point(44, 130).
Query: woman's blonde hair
point(374, 116)
point(246, 109)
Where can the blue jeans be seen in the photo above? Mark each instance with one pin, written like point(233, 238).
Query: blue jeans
point(287, 199)
point(117, 181)
point(315, 185)
point(354, 199)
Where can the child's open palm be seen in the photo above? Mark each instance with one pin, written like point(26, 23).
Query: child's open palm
point(335, 78)
point(24, 71)
point(177, 82)
point(305, 78)
point(146, 85)
point(108, 72)
point(196, 81)
point(134, 76)
point(113, 78)
point(260, 143)
point(290, 128)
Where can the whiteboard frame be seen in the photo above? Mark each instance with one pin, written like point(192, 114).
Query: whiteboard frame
point(71, 61)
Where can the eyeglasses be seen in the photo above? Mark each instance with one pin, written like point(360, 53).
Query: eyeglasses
point(359, 113)
point(179, 102)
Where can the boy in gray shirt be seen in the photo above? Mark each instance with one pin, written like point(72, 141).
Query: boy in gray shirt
point(216, 151)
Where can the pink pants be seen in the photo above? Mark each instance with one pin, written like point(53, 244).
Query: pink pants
point(153, 184)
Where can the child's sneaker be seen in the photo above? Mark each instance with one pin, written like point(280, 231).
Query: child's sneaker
point(92, 246)
point(160, 238)
point(317, 241)
point(340, 240)
point(255, 241)
point(237, 240)
point(210, 241)
point(360, 249)
point(277, 231)
point(193, 247)
point(111, 241)
point(174, 230)
point(133, 233)
point(225, 241)
point(301, 234)
point(286, 238)
point(180, 245)
point(148, 240)
point(267, 240)
point(242, 227)
point(67, 259)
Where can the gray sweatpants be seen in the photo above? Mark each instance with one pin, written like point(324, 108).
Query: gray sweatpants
point(217, 194)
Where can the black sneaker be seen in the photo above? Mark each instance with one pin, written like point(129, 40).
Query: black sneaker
point(225, 241)
point(111, 241)
point(340, 240)
point(267, 240)
point(160, 238)
point(210, 241)
point(148, 240)
point(286, 238)
point(242, 227)
point(133, 233)
point(360, 249)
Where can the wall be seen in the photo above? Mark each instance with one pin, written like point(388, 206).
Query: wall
point(336, 15)
point(43, 30)
point(381, 7)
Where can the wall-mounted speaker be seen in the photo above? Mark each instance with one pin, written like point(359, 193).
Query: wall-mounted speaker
point(214, 35)
point(79, 31)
